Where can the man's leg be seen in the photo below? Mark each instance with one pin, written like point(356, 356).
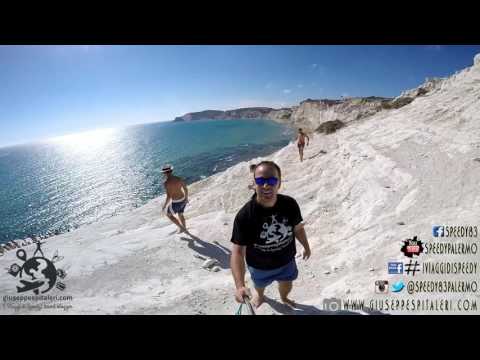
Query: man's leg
point(182, 220)
point(284, 288)
point(174, 220)
point(258, 298)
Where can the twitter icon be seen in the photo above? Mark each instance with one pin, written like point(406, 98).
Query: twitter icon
point(398, 286)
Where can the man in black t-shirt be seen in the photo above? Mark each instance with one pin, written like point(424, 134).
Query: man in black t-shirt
point(264, 235)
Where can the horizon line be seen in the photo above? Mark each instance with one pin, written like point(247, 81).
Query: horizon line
point(49, 138)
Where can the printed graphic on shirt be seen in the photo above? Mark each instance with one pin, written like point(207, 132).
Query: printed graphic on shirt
point(277, 235)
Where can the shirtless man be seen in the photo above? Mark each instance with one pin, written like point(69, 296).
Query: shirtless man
point(179, 199)
point(301, 142)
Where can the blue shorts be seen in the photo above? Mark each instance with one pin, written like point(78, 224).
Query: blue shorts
point(176, 207)
point(263, 278)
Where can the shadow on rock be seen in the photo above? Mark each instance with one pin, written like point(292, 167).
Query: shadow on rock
point(206, 249)
point(322, 152)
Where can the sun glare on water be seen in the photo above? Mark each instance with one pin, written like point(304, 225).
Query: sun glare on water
point(86, 141)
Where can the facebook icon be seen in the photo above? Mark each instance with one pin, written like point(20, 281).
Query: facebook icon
point(438, 231)
point(395, 268)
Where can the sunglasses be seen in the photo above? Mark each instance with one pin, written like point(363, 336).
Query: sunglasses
point(272, 181)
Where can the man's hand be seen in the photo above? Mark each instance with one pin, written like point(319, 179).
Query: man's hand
point(241, 292)
point(306, 253)
point(302, 238)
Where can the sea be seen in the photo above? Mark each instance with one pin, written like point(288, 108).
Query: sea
point(55, 186)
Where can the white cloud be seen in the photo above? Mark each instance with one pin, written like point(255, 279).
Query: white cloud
point(269, 85)
point(434, 47)
point(287, 91)
point(314, 66)
point(300, 86)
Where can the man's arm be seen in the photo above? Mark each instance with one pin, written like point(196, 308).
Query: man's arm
point(185, 190)
point(302, 238)
point(237, 264)
point(167, 199)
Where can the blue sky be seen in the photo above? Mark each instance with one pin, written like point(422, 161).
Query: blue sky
point(49, 91)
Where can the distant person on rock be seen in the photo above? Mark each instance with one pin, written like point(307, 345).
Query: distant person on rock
point(177, 198)
point(264, 235)
point(301, 142)
point(252, 170)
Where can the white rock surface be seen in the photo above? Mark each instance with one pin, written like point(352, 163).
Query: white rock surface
point(476, 60)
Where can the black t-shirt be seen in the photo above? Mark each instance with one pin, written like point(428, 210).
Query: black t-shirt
point(267, 232)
